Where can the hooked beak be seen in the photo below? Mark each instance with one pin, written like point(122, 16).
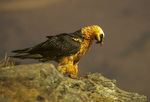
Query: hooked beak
point(101, 40)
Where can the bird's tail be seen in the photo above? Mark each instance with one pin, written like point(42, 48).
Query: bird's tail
point(28, 56)
point(24, 53)
point(21, 51)
point(20, 56)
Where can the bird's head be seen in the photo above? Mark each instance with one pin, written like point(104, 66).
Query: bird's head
point(94, 32)
point(99, 35)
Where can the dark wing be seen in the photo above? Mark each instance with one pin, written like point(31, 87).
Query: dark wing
point(57, 47)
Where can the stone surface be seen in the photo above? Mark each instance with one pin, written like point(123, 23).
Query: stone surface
point(43, 83)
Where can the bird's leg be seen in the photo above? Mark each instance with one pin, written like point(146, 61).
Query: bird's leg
point(67, 66)
point(74, 71)
point(62, 66)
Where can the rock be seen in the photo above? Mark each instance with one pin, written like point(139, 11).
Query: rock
point(43, 83)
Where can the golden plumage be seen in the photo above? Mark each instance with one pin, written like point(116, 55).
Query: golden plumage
point(70, 64)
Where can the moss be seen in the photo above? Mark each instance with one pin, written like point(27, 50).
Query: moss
point(17, 92)
point(98, 98)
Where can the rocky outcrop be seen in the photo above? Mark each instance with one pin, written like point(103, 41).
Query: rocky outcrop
point(43, 83)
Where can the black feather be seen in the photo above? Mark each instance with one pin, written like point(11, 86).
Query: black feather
point(21, 51)
point(55, 48)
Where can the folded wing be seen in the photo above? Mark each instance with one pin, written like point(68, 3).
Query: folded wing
point(55, 48)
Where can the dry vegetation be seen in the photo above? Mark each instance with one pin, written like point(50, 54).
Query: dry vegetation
point(7, 62)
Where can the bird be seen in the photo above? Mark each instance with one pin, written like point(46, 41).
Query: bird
point(66, 49)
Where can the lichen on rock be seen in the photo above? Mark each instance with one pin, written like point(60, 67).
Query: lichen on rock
point(43, 83)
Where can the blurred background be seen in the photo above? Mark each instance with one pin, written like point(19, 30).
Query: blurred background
point(125, 55)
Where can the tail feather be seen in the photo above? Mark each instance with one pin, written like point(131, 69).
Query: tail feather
point(19, 56)
point(29, 56)
point(21, 51)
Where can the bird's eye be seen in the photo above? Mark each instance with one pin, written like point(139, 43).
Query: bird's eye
point(101, 35)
